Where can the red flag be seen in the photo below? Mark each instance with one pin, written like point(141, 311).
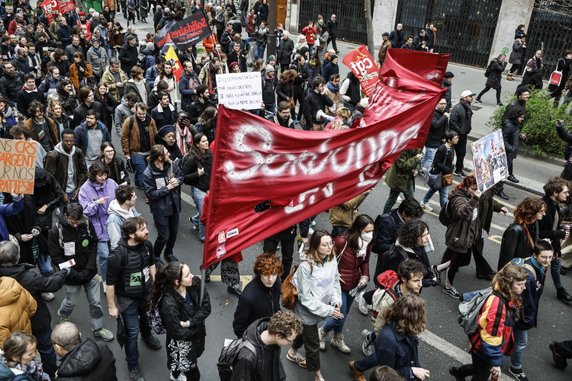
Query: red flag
point(50, 8)
point(266, 178)
point(362, 64)
point(66, 6)
point(177, 67)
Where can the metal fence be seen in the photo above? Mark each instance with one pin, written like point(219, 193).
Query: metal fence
point(550, 29)
point(350, 17)
point(465, 28)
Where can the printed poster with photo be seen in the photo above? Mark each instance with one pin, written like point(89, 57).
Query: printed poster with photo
point(489, 160)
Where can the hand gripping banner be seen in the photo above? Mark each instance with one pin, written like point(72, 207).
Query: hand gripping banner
point(266, 178)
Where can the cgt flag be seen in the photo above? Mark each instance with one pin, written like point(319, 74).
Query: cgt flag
point(362, 64)
point(50, 8)
point(266, 178)
point(190, 31)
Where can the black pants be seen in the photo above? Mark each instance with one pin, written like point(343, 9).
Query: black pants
point(479, 369)
point(486, 89)
point(311, 340)
point(483, 267)
point(167, 228)
point(460, 152)
point(564, 348)
point(332, 39)
point(457, 259)
point(286, 238)
point(514, 68)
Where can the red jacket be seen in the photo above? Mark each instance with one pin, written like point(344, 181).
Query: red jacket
point(350, 267)
point(311, 33)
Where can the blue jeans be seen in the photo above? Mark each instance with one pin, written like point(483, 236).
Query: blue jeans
point(135, 320)
point(199, 197)
point(555, 267)
point(139, 163)
point(443, 195)
point(260, 51)
point(93, 293)
point(338, 324)
point(520, 342)
point(102, 254)
point(427, 161)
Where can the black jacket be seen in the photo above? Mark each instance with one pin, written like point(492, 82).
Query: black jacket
point(265, 365)
point(128, 269)
point(397, 254)
point(84, 252)
point(269, 90)
point(546, 225)
point(396, 38)
point(496, 68)
point(89, 361)
point(128, 57)
point(385, 231)
point(10, 86)
point(443, 160)
point(36, 284)
point(285, 49)
point(516, 244)
point(460, 118)
point(257, 301)
point(190, 166)
point(511, 136)
point(437, 131)
point(313, 103)
point(162, 201)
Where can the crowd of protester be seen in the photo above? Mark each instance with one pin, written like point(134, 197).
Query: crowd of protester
point(73, 83)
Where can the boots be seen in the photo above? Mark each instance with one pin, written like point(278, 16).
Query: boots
point(323, 335)
point(509, 77)
point(338, 343)
point(358, 376)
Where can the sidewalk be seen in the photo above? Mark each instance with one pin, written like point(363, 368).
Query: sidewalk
point(531, 170)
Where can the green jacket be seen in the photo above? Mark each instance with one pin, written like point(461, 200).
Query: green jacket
point(401, 172)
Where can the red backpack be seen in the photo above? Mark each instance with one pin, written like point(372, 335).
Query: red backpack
point(387, 281)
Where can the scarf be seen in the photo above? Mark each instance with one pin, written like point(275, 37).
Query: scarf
point(537, 265)
point(333, 88)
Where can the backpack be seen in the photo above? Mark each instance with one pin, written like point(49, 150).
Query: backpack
point(142, 61)
point(488, 71)
point(229, 355)
point(382, 260)
point(445, 215)
point(155, 319)
point(387, 281)
point(470, 310)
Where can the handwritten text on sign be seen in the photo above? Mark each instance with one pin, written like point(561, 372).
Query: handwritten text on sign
point(17, 162)
point(240, 91)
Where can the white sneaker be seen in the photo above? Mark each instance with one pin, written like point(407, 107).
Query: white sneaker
point(48, 296)
point(426, 207)
point(364, 308)
point(367, 346)
point(322, 336)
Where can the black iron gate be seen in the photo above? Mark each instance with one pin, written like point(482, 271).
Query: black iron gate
point(350, 17)
point(465, 28)
point(550, 29)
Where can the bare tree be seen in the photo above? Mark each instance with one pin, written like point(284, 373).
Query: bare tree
point(369, 26)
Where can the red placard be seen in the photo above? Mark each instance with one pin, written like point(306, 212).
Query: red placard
point(266, 178)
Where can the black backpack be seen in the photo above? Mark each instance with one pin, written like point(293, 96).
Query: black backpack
point(488, 71)
point(445, 215)
point(229, 355)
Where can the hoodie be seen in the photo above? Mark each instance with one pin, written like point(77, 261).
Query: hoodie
point(116, 216)
point(88, 361)
point(89, 193)
point(70, 185)
point(266, 364)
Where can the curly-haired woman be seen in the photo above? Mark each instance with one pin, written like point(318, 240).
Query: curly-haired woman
point(518, 239)
point(176, 294)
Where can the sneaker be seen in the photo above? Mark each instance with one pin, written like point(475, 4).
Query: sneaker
point(152, 342)
point(559, 360)
point(339, 343)
point(426, 207)
point(171, 258)
point(364, 308)
point(460, 174)
point(104, 334)
point(518, 374)
point(367, 346)
point(322, 336)
point(136, 375)
point(478, 101)
point(513, 179)
point(159, 263)
point(235, 290)
point(48, 296)
point(452, 292)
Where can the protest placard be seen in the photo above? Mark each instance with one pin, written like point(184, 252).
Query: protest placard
point(17, 163)
point(240, 91)
point(489, 160)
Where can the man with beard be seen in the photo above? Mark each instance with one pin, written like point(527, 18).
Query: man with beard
point(202, 101)
point(90, 135)
point(67, 164)
point(137, 137)
point(164, 113)
point(188, 86)
point(11, 82)
point(556, 194)
point(162, 184)
point(167, 137)
point(42, 129)
point(283, 116)
point(460, 122)
point(130, 275)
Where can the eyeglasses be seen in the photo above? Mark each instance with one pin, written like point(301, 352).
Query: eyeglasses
point(109, 151)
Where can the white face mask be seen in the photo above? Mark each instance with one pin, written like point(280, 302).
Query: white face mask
point(367, 237)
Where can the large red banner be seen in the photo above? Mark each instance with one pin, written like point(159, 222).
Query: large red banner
point(362, 64)
point(266, 178)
